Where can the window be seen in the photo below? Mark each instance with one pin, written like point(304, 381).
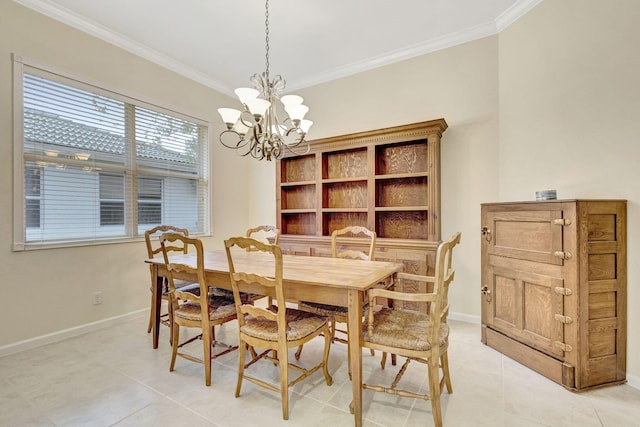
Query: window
point(111, 199)
point(99, 166)
point(149, 200)
point(32, 196)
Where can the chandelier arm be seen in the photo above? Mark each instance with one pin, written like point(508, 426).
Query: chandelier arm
point(239, 141)
point(248, 123)
point(252, 143)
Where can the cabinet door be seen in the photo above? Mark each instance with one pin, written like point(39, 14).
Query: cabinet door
point(531, 235)
point(524, 305)
point(522, 274)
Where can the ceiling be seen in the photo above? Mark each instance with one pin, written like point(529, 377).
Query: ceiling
point(220, 43)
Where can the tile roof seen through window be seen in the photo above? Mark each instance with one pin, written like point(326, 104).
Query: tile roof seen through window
point(54, 131)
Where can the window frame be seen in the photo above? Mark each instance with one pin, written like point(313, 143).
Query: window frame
point(134, 231)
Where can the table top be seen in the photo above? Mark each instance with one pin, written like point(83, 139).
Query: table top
point(331, 272)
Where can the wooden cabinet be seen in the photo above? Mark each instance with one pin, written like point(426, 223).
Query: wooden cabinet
point(387, 180)
point(554, 286)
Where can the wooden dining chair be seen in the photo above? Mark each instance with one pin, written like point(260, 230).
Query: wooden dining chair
point(203, 311)
point(154, 249)
point(275, 329)
point(420, 334)
point(264, 233)
point(337, 314)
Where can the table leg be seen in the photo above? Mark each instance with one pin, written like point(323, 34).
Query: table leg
point(355, 335)
point(155, 307)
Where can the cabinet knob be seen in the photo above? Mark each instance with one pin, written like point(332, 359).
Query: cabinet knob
point(486, 292)
point(486, 233)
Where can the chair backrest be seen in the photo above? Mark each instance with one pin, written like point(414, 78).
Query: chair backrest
point(155, 232)
point(262, 233)
point(445, 273)
point(437, 299)
point(272, 283)
point(353, 231)
point(170, 240)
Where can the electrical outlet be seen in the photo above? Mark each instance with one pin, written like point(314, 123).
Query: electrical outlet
point(97, 297)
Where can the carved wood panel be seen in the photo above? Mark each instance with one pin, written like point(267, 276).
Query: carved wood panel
point(402, 158)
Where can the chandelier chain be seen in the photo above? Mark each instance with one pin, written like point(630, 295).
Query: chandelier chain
point(266, 31)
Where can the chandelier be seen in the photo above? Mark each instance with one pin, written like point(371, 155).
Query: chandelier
point(257, 130)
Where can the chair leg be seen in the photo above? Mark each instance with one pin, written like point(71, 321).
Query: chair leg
point(444, 362)
point(149, 327)
point(298, 352)
point(175, 333)
point(206, 342)
point(434, 390)
point(332, 334)
point(170, 324)
point(332, 326)
point(284, 380)
point(242, 350)
point(325, 359)
point(349, 359)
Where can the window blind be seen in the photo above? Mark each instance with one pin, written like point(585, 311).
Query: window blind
point(99, 166)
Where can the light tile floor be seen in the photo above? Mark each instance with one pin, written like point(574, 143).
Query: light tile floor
point(113, 377)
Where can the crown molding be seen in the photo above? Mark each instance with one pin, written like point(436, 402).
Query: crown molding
point(87, 26)
point(412, 51)
point(453, 39)
point(514, 13)
point(503, 21)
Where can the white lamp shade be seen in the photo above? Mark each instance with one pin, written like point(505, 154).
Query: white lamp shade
point(246, 93)
point(305, 125)
point(229, 115)
point(240, 128)
point(296, 112)
point(258, 106)
point(291, 100)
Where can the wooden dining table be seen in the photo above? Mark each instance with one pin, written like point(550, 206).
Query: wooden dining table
point(335, 281)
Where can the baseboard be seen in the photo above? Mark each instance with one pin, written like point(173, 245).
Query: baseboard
point(68, 333)
point(469, 318)
point(633, 381)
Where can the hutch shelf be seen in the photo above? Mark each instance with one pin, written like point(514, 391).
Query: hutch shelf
point(387, 180)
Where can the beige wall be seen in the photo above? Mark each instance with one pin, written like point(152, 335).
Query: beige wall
point(47, 291)
point(570, 114)
point(548, 103)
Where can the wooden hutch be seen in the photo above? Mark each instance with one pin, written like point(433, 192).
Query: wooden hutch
point(387, 180)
